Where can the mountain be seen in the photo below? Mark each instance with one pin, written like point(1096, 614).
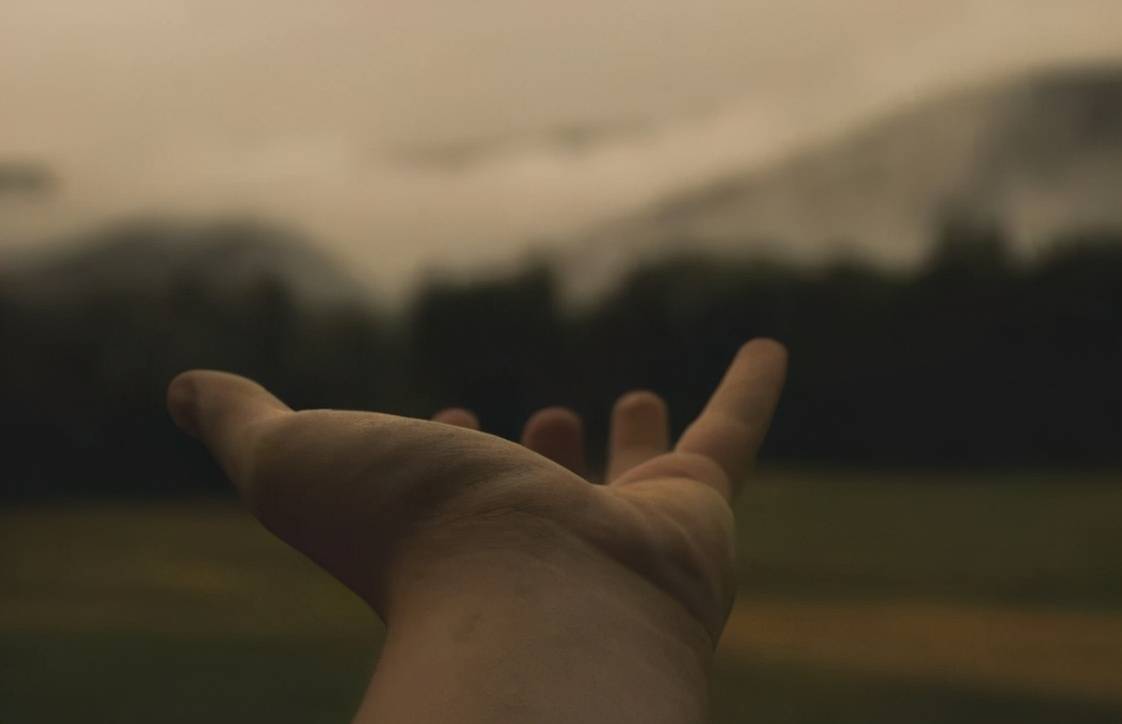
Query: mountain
point(26, 178)
point(227, 258)
point(1039, 154)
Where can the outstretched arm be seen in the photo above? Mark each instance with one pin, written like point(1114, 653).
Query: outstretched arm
point(512, 588)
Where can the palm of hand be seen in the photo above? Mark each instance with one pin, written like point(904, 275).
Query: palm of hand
point(369, 496)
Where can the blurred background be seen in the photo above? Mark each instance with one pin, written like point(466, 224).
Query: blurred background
point(507, 205)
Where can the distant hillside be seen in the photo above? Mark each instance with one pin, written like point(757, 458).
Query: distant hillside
point(29, 179)
point(155, 257)
point(1040, 154)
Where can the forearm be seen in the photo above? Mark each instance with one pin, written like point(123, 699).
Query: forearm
point(515, 638)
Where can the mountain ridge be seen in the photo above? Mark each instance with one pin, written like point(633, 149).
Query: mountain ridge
point(225, 257)
point(1039, 153)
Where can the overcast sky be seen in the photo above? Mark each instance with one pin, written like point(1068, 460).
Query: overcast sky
point(398, 134)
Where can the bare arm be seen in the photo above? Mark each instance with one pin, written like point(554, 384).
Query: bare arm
point(513, 589)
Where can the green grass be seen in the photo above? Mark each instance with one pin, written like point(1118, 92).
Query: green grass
point(1052, 539)
point(121, 678)
point(129, 677)
point(767, 693)
point(190, 612)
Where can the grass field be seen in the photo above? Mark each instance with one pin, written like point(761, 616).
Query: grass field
point(864, 598)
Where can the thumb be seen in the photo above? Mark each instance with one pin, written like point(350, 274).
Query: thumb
point(221, 410)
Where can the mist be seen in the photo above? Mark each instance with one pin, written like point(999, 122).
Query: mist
point(437, 135)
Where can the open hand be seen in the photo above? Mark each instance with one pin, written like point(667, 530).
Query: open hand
point(385, 502)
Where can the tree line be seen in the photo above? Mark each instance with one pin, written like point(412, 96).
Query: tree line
point(974, 360)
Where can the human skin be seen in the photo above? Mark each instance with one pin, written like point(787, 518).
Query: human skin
point(513, 589)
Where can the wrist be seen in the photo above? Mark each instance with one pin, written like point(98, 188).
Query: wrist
point(542, 628)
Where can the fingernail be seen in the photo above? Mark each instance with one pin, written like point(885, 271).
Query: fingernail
point(181, 404)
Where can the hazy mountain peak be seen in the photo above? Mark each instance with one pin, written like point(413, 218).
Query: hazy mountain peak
point(224, 257)
point(1039, 153)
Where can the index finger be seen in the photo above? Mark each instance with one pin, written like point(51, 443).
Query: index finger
point(731, 428)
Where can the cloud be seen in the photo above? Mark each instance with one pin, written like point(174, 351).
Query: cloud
point(569, 139)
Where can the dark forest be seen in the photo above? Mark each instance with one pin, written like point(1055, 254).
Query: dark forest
point(974, 361)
